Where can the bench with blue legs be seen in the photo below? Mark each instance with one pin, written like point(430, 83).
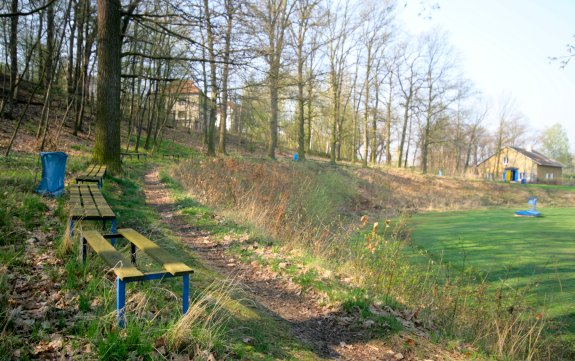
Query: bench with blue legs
point(127, 271)
point(94, 174)
point(134, 154)
point(87, 203)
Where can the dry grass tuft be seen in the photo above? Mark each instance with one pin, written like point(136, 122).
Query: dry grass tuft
point(203, 325)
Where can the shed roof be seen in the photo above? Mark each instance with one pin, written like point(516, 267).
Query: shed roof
point(534, 155)
point(538, 158)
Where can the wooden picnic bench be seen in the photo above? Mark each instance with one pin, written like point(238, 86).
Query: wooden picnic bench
point(127, 271)
point(94, 174)
point(174, 156)
point(134, 154)
point(88, 203)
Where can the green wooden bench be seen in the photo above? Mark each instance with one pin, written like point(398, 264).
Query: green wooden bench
point(127, 271)
point(94, 174)
point(134, 154)
point(88, 203)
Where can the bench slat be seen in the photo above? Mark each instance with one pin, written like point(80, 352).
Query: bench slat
point(87, 201)
point(122, 268)
point(169, 262)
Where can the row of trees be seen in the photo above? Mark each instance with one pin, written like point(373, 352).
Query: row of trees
point(330, 77)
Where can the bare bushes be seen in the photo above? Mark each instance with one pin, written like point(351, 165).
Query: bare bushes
point(291, 202)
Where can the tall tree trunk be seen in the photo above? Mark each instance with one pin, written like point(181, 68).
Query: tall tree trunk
point(225, 75)
point(300, 101)
point(427, 131)
point(13, 61)
point(388, 122)
point(49, 44)
point(366, 110)
point(309, 106)
point(107, 145)
point(274, 98)
point(374, 124)
point(213, 80)
point(81, 21)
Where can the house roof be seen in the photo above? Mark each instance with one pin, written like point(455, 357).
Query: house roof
point(534, 155)
point(183, 87)
point(538, 158)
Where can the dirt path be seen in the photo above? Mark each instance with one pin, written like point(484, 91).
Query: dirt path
point(332, 335)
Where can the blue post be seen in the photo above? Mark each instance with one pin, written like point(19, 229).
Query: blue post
point(114, 231)
point(186, 295)
point(120, 302)
point(71, 228)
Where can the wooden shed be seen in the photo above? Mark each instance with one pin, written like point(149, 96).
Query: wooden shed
point(513, 164)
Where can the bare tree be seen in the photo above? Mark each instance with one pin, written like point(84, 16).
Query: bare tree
point(230, 9)
point(438, 86)
point(339, 27)
point(300, 28)
point(271, 19)
point(409, 85)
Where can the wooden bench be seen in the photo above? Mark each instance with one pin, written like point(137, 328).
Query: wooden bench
point(127, 271)
point(88, 203)
point(128, 154)
point(94, 174)
point(174, 156)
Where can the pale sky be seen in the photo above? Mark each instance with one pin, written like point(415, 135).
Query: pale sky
point(505, 47)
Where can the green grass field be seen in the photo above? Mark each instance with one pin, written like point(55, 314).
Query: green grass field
point(510, 252)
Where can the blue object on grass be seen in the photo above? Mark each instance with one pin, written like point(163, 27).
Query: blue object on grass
point(295, 156)
point(53, 173)
point(530, 212)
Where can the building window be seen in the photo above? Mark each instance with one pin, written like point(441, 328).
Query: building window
point(181, 114)
point(505, 160)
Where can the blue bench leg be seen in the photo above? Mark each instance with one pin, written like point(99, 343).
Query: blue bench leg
point(186, 295)
point(71, 228)
point(113, 231)
point(120, 302)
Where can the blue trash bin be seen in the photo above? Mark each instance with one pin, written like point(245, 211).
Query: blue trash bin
point(53, 173)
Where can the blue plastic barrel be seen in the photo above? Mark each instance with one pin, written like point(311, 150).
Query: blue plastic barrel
point(53, 173)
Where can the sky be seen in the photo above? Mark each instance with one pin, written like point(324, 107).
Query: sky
point(505, 46)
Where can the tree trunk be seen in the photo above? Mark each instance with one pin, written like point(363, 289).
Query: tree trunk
point(107, 145)
point(388, 123)
point(273, 142)
point(81, 21)
point(225, 75)
point(13, 61)
point(374, 124)
point(366, 110)
point(213, 81)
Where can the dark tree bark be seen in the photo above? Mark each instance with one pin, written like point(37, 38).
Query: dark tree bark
point(107, 145)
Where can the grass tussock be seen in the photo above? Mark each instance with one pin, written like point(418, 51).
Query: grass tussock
point(203, 326)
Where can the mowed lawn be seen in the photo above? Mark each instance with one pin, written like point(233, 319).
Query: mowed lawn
point(509, 251)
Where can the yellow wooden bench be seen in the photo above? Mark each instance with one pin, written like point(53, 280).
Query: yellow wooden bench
point(127, 271)
point(88, 203)
point(94, 174)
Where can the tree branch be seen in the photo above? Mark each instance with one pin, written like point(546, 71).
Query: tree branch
point(33, 11)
